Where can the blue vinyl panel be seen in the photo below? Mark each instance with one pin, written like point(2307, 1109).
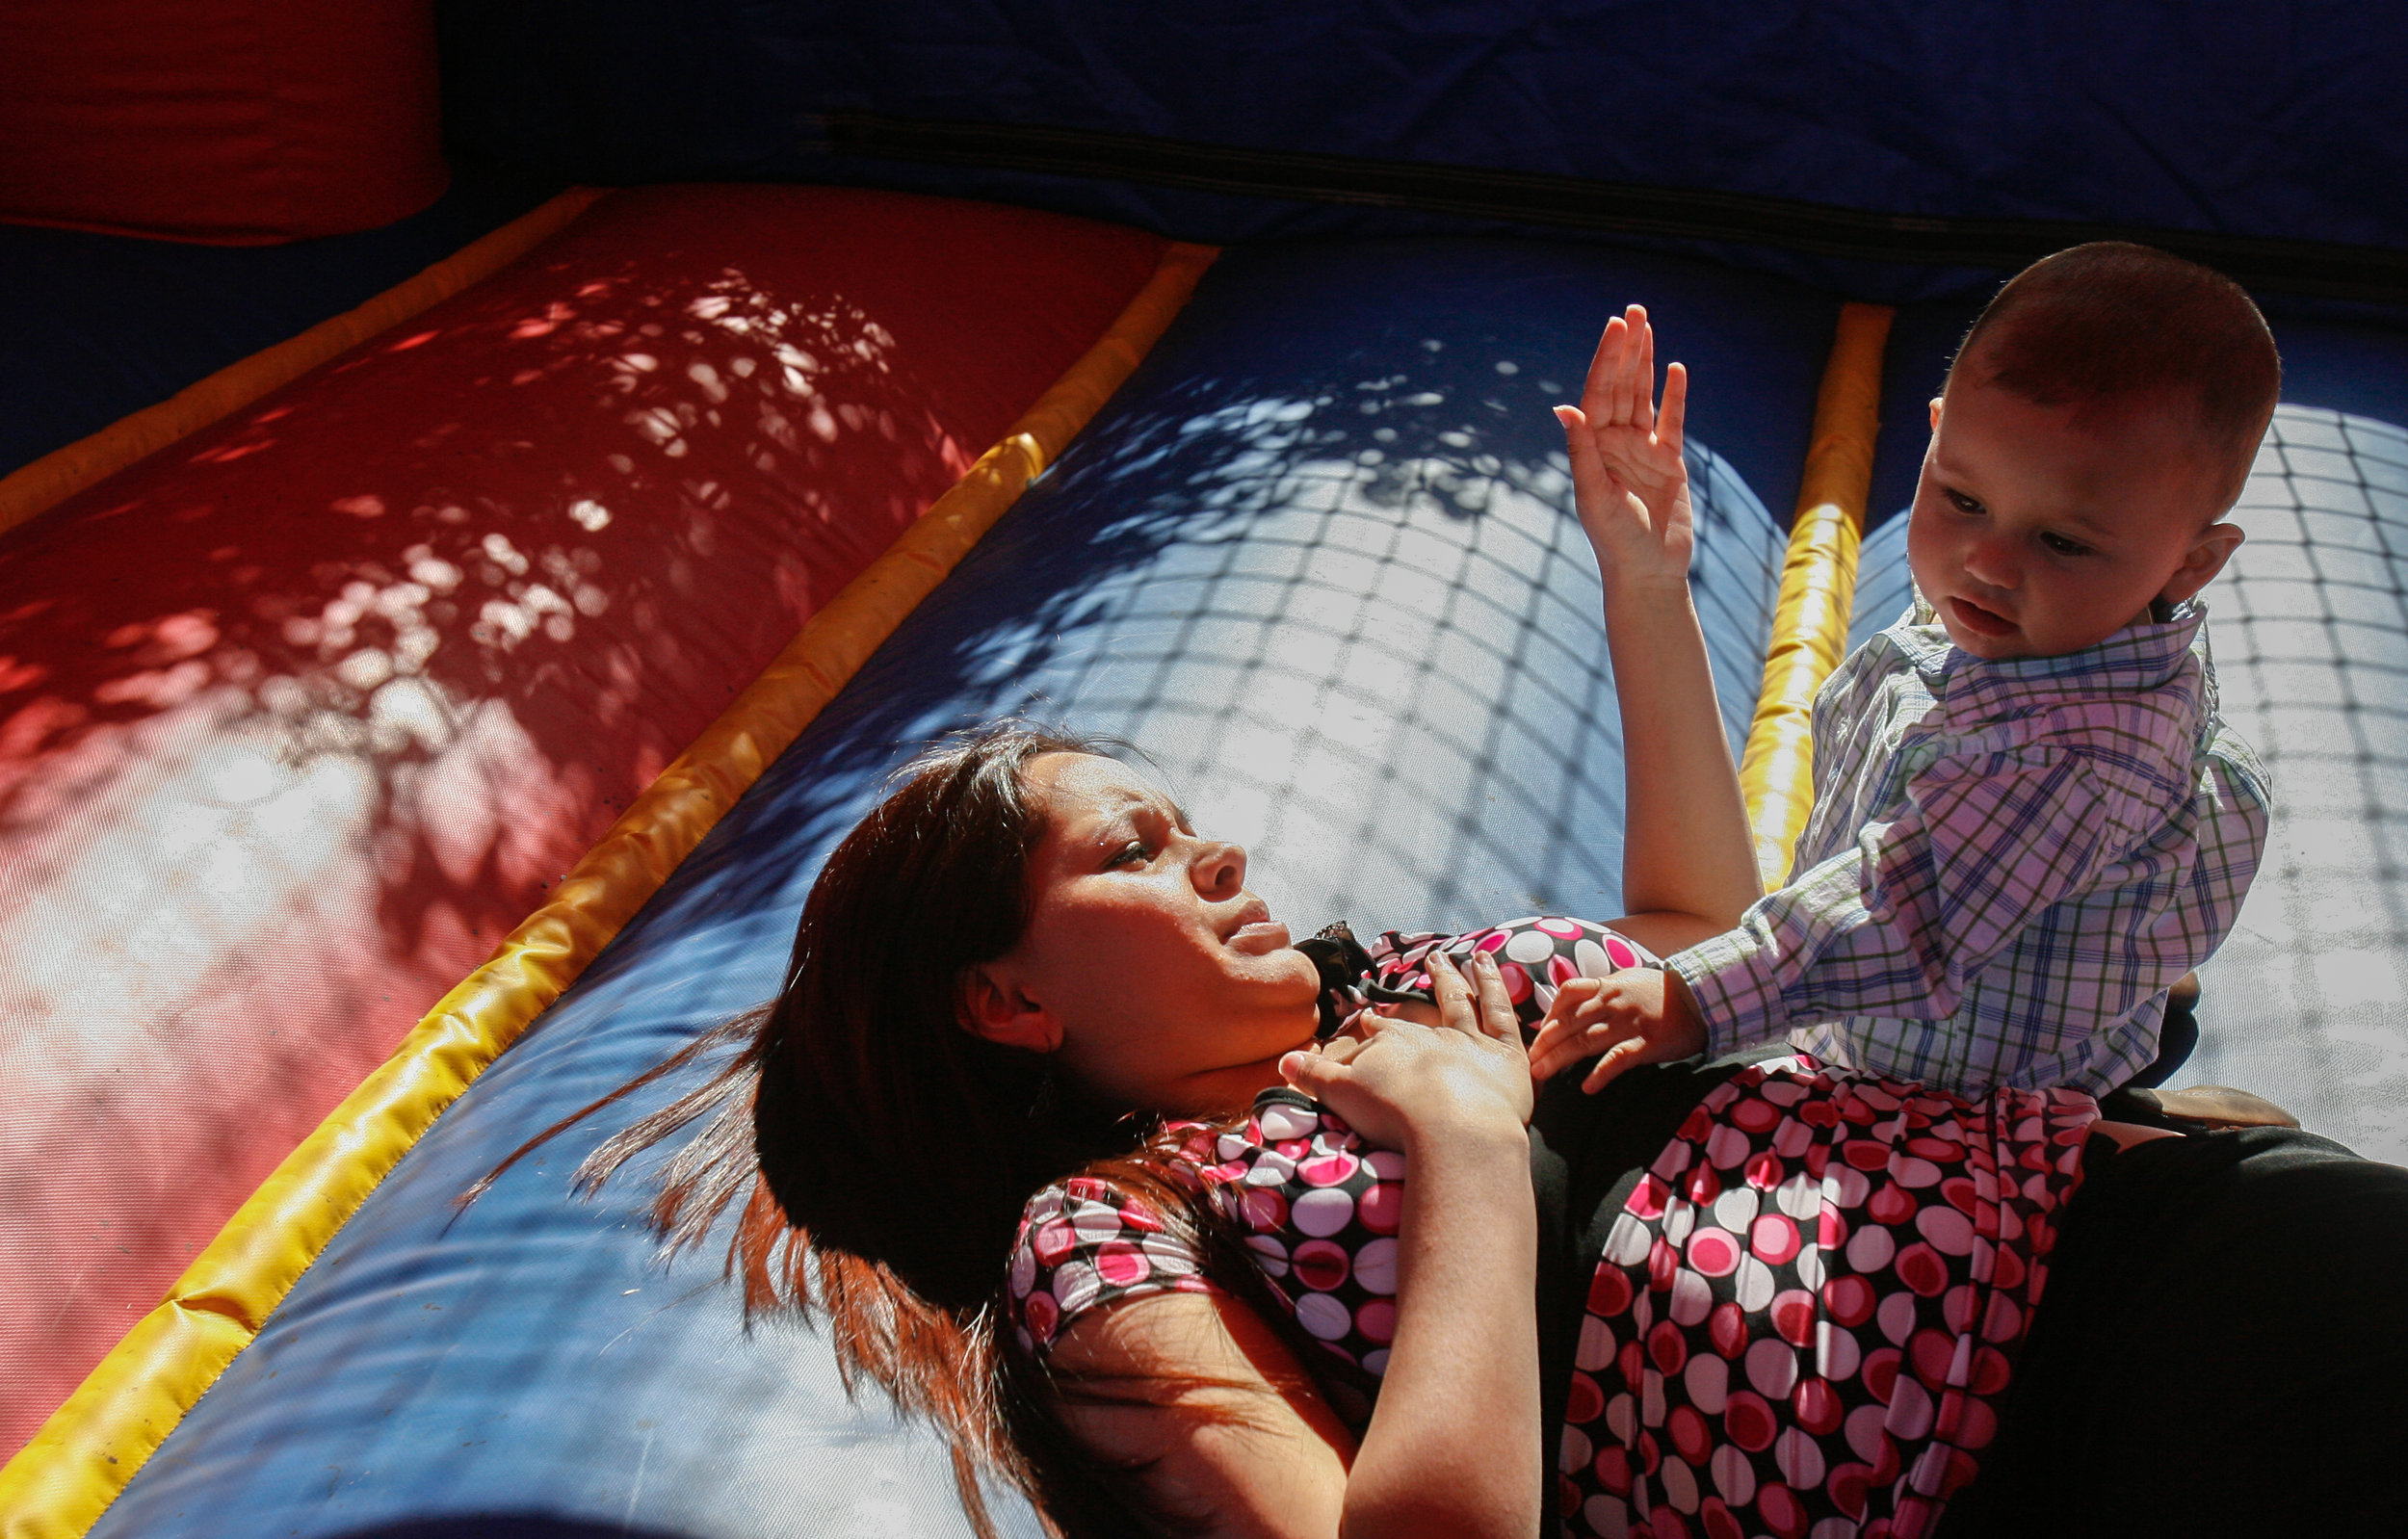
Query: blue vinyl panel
point(2308, 1001)
point(1317, 561)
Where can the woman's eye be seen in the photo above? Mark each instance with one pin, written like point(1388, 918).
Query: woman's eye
point(2063, 546)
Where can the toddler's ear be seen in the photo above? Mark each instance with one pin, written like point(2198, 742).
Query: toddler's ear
point(2206, 558)
point(1935, 413)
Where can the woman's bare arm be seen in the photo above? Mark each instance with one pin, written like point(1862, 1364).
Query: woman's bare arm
point(1686, 850)
point(1689, 865)
point(1253, 1452)
point(1454, 1446)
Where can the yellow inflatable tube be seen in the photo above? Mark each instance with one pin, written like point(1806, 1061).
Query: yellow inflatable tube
point(1817, 589)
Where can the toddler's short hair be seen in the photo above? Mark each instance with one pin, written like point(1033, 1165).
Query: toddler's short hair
point(2111, 322)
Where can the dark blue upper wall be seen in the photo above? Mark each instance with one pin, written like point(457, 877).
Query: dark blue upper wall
point(2271, 123)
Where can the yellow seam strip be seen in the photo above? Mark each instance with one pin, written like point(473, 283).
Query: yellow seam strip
point(58, 1486)
point(36, 488)
point(1817, 588)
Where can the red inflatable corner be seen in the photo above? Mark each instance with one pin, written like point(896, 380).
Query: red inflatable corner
point(231, 121)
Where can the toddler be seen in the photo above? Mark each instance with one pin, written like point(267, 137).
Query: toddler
point(2028, 819)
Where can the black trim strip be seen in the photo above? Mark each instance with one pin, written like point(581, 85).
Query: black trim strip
point(2337, 270)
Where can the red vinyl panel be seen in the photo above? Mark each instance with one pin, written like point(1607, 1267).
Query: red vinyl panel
point(300, 716)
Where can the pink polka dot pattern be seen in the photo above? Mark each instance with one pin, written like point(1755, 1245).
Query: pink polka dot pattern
point(1083, 1243)
point(1535, 955)
point(1810, 1306)
point(1318, 1211)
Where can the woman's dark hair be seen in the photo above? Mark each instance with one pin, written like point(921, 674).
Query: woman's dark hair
point(881, 1154)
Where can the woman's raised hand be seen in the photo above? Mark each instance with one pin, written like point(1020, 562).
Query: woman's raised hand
point(1402, 1081)
point(1629, 480)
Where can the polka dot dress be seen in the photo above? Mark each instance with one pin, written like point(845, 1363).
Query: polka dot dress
point(1534, 957)
point(1804, 1320)
point(1318, 1209)
point(1808, 1312)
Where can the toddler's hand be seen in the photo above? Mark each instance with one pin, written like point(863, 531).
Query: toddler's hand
point(1638, 1015)
point(1628, 478)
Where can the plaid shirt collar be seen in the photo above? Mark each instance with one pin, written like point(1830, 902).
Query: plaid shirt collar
point(1973, 691)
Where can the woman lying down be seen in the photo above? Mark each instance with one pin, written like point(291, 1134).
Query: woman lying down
point(1045, 1123)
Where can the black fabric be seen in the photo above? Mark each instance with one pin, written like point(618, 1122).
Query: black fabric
point(2220, 1350)
point(1341, 962)
point(1588, 1152)
point(2177, 1039)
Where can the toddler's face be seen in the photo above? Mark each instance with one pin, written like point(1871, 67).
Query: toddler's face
point(2035, 535)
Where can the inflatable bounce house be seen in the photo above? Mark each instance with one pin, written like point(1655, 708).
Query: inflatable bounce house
point(492, 490)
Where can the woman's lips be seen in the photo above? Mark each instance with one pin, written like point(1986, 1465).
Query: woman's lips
point(1259, 932)
point(1978, 620)
point(1264, 935)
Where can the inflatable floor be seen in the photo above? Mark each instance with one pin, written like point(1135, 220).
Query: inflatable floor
point(1313, 560)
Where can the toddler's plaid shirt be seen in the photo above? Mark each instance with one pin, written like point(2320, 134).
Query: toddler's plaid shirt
point(2006, 864)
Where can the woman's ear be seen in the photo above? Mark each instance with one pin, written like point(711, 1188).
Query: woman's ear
point(2206, 558)
point(993, 1004)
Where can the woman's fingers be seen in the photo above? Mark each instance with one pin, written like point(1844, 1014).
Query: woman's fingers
point(1342, 1049)
point(1621, 389)
point(1455, 995)
point(1597, 389)
point(1675, 405)
point(1309, 1072)
point(1643, 377)
point(1591, 483)
point(1496, 1004)
point(1626, 366)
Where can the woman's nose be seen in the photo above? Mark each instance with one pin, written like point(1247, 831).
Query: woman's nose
point(1222, 870)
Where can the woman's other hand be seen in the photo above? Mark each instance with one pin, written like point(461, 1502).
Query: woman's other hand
point(1638, 1015)
point(1628, 479)
point(1400, 1083)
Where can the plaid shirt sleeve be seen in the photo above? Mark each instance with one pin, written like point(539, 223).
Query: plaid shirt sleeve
point(1898, 925)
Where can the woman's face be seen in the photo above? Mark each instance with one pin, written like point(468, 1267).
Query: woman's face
point(1161, 981)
